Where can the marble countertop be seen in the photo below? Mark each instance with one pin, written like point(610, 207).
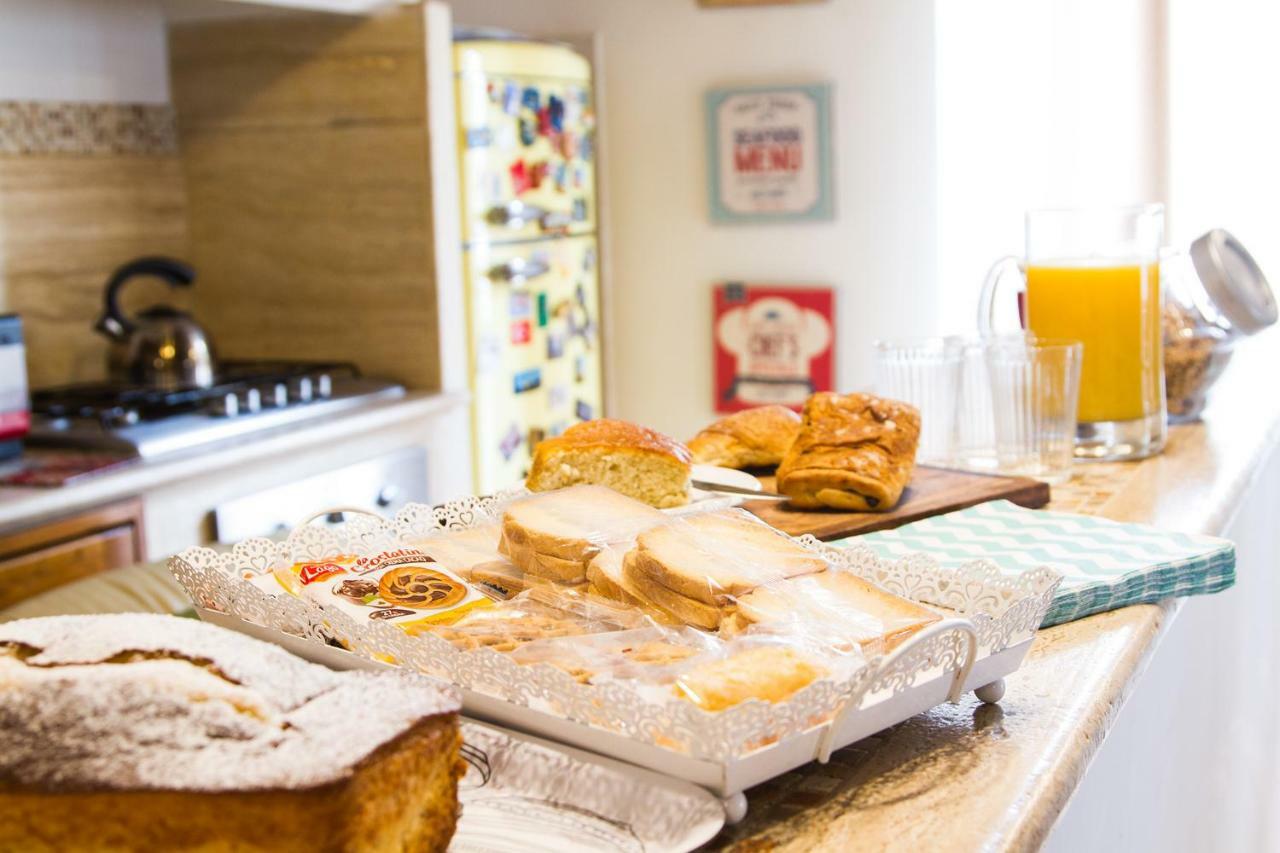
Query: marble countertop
point(23, 506)
point(996, 777)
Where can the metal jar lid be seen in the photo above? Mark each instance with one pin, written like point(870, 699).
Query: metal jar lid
point(1234, 281)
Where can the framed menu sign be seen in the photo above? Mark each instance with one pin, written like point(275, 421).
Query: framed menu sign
point(769, 153)
point(773, 344)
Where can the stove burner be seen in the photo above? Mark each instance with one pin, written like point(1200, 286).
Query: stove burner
point(248, 398)
point(250, 383)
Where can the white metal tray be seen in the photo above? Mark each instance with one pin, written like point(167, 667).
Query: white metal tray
point(727, 752)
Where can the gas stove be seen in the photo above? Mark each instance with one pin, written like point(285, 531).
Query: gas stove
point(247, 397)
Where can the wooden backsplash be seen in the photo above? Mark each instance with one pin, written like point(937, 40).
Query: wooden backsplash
point(83, 188)
point(305, 147)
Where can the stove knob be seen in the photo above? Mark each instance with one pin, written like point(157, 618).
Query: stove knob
point(277, 396)
point(250, 401)
point(122, 417)
point(324, 386)
point(226, 406)
point(300, 390)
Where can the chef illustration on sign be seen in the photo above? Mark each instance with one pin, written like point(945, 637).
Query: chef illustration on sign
point(773, 341)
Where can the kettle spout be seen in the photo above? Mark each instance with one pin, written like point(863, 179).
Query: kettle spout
point(111, 327)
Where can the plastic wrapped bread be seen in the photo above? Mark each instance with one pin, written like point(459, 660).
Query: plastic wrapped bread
point(693, 568)
point(555, 535)
point(835, 607)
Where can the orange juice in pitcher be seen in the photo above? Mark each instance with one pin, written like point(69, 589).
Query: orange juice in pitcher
point(1115, 312)
point(1094, 276)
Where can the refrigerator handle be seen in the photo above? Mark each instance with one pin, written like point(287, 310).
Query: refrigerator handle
point(519, 270)
point(517, 214)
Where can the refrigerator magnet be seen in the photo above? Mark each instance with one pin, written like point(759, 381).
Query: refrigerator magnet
point(521, 181)
point(520, 305)
point(583, 410)
point(521, 332)
point(555, 113)
point(531, 99)
point(555, 345)
point(511, 98)
point(528, 380)
point(557, 396)
point(510, 441)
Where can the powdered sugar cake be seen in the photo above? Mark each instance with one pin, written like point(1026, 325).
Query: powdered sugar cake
point(135, 732)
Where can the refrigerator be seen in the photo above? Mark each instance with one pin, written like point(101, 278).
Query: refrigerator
point(530, 258)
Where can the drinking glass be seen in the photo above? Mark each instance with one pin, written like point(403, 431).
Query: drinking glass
point(1092, 275)
point(1034, 394)
point(924, 372)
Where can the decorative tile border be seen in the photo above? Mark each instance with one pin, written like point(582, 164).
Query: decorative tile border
point(53, 127)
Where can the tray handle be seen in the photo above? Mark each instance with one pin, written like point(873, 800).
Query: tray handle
point(826, 743)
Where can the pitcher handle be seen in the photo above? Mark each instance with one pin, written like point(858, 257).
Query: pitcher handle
point(987, 302)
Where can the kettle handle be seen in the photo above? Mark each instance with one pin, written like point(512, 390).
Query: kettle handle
point(113, 323)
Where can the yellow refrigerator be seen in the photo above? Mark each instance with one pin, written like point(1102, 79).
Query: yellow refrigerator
point(527, 149)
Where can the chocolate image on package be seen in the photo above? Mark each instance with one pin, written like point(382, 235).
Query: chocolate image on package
point(144, 732)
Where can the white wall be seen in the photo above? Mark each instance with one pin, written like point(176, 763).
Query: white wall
point(83, 50)
point(660, 56)
point(1224, 122)
point(1041, 103)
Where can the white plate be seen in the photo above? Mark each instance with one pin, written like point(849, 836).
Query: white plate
point(722, 477)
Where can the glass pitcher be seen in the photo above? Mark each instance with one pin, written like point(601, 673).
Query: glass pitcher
point(1093, 275)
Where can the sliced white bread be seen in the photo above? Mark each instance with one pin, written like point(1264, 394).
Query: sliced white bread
point(713, 556)
point(835, 606)
point(556, 534)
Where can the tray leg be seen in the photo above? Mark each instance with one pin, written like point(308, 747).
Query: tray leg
point(991, 693)
point(735, 807)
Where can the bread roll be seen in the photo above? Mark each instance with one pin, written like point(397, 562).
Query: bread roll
point(633, 460)
point(854, 452)
point(754, 438)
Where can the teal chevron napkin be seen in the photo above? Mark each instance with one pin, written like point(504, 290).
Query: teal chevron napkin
point(1105, 564)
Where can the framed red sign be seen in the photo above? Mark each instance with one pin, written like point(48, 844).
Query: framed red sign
point(773, 344)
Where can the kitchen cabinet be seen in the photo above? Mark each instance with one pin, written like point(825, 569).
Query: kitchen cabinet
point(57, 552)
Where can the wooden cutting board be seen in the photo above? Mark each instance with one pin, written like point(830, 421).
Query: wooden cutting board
point(933, 491)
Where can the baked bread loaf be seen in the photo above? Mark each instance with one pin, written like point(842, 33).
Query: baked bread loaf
point(838, 608)
point(634, 460)
point(854, 452)
point(771, 673)
point(692, 568)
point(556, 534)
point(143, 732)
point(753, 438)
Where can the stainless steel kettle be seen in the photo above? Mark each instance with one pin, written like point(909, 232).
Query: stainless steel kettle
point(160, 347)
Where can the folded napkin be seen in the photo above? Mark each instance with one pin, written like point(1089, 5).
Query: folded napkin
point(1105, 564)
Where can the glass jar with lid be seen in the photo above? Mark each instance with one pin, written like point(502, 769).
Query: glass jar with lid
point(1214, 295)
